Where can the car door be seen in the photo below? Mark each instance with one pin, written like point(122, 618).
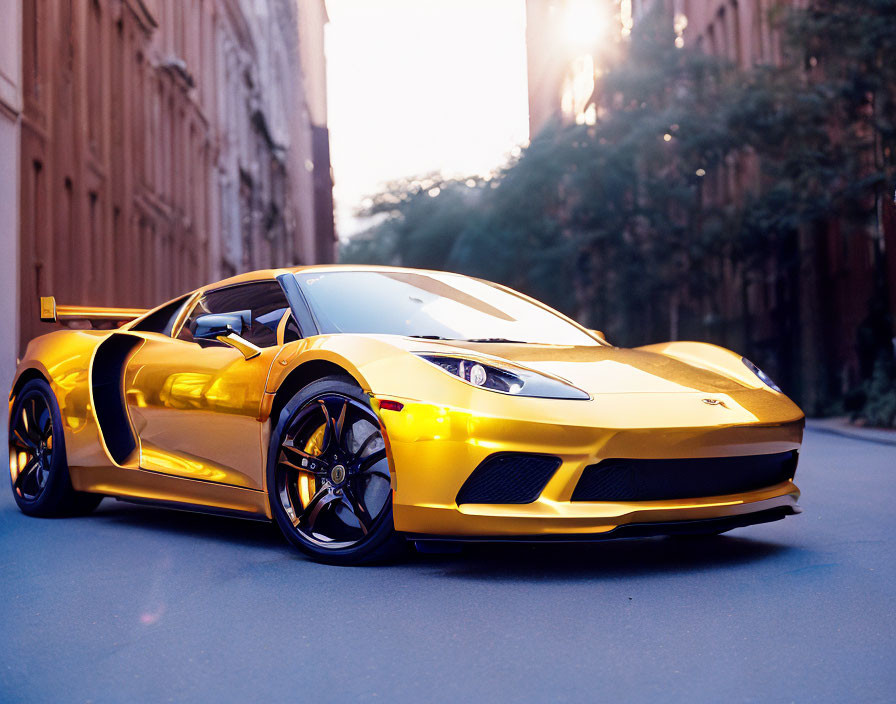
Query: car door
point(194, 404)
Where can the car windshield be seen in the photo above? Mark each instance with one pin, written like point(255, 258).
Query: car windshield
point(433, 306)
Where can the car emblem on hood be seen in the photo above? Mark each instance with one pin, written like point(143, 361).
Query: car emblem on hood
point(714, 402)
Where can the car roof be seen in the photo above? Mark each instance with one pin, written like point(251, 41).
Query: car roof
point(271, 274)
point(263, 274)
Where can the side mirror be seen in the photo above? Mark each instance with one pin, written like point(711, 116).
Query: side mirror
point(227, 328)
point(600, 335)
point(208, 327)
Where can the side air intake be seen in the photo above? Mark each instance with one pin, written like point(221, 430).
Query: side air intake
point(108, 394)
point(508, 478)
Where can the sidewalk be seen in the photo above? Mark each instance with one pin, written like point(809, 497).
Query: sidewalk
point(842, 426)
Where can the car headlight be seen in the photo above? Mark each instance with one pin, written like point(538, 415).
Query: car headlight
point(519, 382)
point(763, 377)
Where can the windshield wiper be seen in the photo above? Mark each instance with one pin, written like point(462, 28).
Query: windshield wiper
point(494, 339)
point(472, 339)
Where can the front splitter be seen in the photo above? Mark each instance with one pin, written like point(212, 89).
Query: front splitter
point(701, 526)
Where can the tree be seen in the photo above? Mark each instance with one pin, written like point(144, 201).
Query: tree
point(632, 214)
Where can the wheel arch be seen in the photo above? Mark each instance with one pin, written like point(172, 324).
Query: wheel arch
point(379, 542)
point(56, 356)
point(25, 375)
point(305, 373)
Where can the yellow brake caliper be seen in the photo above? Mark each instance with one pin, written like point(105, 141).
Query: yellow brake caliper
point(307, 482)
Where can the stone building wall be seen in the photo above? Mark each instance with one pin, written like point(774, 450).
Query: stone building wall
point(164, 144)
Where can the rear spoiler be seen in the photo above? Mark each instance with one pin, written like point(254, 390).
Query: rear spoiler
point(51, 313)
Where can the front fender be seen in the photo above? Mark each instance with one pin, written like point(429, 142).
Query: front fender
point(352, 355)
point(707, 356)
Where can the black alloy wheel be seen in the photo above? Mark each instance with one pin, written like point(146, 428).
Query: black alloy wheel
point(31, 446)
point(38, 468)
point(329, 478)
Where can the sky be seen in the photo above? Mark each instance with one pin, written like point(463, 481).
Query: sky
point(417, 86)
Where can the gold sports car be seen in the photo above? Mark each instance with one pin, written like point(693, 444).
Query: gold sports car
point(364, 407)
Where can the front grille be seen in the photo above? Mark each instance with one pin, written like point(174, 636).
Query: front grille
point(656, 480)
point(508, 478)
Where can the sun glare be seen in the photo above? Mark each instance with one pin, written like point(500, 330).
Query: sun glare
point(586, 23)
point(421, 87)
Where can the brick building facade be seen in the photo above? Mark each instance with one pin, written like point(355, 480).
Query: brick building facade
point(165, 144)
point(10, 117)
point(565, 39)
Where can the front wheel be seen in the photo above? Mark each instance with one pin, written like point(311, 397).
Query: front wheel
point(328, 476)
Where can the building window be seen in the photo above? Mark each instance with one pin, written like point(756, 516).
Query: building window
point(95, 245)
point(37, 216)
point(34, 31)
point(95, 77)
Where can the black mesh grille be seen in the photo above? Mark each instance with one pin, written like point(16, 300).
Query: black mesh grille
point(655, 480)
point(508, 478)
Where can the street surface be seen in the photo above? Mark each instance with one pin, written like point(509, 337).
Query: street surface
point(143, 604)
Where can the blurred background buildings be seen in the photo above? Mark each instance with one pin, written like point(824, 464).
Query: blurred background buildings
point(10, 119)
point(808, 309)
point(161, 145)
point(568, 42)
point(826, 304)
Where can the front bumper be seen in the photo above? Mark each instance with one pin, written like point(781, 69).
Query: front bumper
point(433, 449)
point(544, 518)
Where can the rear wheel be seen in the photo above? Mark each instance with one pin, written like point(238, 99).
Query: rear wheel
point(38, 467)
point(329, 480)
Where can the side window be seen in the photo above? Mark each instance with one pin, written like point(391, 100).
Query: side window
point(291, 331)
point(161, 320)
point(265, 299)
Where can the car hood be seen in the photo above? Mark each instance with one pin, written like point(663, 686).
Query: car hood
point(599, 369)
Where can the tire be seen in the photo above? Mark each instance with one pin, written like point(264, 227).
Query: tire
point(328, 476)
point(39, 476)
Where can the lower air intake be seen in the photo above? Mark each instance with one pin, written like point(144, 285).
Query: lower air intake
point(656, 480)
point(508, 478)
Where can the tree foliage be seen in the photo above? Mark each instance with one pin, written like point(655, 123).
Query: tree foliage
point(637, 224)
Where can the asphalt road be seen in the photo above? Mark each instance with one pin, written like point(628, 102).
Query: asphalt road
point(140, 604)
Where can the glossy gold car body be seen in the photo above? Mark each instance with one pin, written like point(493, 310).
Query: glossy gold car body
point(202, 418)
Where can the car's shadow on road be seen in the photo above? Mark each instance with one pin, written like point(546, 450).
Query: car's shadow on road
point(236, 531)
point(485, 561)
point(602, 560)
